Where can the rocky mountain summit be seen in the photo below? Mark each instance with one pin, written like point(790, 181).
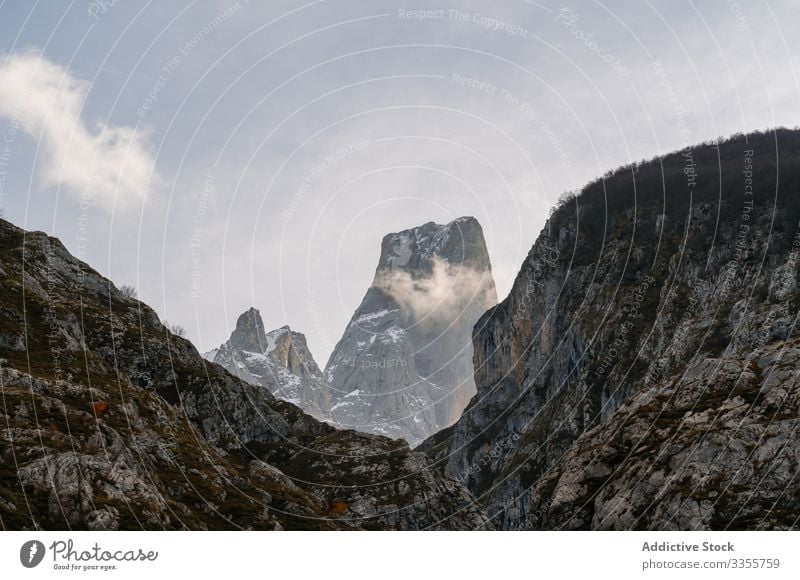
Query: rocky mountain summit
point(110, 421)
point(642, 372)
point(278, 360)
point(403, 367)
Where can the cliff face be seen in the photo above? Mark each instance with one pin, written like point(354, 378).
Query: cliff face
point(278, 361)
point(713, 447)
point(109, 421)
point(653, 282)
point(403, 367)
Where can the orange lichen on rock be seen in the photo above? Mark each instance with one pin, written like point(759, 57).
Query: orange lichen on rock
point(339, 507)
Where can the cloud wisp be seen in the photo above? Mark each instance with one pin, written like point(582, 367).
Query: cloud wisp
point(105, 162)
point(442, 296)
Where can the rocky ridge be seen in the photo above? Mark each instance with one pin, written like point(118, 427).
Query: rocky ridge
point(110, 421)
point(633, 370)
point(278, 361)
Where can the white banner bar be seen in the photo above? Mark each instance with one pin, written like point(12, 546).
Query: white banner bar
point(389, 555)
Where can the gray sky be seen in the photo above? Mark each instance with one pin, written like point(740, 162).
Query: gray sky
point(229, 154)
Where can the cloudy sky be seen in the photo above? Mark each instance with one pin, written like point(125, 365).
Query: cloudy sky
point(220, 154)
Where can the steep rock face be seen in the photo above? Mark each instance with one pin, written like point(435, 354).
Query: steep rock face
point(715, 447)
point(109, 421)
point(647, 272)
point(403, 367)
point(278, 361)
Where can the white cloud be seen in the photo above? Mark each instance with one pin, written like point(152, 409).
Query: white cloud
point(105, 162)
point(444, 295)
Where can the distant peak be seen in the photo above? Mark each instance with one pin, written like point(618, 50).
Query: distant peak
point(251, 318)
point(249, 334)
point(460, 241)
point(430, 225)
point(279, 332)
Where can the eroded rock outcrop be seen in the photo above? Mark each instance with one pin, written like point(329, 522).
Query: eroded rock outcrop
point(715, 447)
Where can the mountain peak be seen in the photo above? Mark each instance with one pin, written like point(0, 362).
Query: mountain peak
point(278, 360)
point(458, 242)
point(249, 334)
point(403, 367)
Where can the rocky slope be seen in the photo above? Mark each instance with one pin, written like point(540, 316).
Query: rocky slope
point(403, 367)
point(109, 421)
point(714, 447)
point(278, 361)
point(633, 378)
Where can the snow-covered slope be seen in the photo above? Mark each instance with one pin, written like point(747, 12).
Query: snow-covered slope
point(403, 367)
point(210, 355)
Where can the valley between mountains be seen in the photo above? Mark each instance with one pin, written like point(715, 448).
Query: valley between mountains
point(642, 373)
